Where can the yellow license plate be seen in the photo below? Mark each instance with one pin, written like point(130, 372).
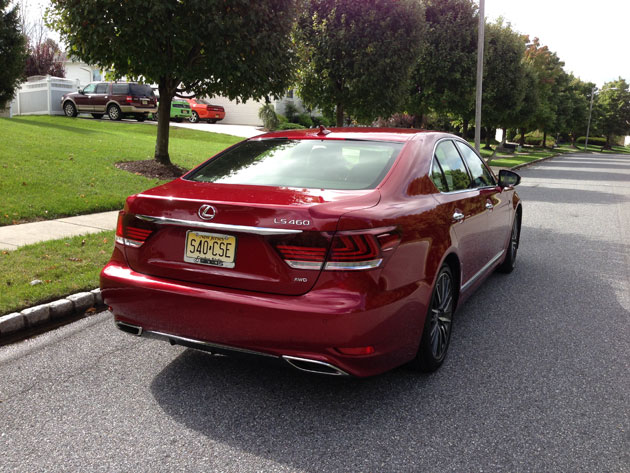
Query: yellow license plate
point(212, 249)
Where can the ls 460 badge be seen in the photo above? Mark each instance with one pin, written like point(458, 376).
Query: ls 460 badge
point(286, 221)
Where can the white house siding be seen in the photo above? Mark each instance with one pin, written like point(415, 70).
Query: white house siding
point(82, 72)
point(239, 113)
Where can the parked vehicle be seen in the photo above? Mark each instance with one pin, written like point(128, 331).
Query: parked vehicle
point(204, 110)
point(343, 251)
point(180, 110)
point(116, 99)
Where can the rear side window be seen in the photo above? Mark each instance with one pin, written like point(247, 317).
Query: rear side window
point(437, 176)
point(455, 172)
point(120, 89)
point(481, 177)
point(311, 164)
point(101, 88)
point(140, 90)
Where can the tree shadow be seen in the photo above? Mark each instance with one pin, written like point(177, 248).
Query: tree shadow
point(522, 347)
point(58, 126)
point(537, 193)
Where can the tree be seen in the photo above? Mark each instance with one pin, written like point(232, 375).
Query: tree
point(444, 77)
point(239, 49)
point(548, 72)
point(44, 59)
point(12, 52)
point(357, 55)
point(613, 106)
point(504, 86)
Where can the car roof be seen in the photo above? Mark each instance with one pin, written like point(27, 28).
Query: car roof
point(354, 133)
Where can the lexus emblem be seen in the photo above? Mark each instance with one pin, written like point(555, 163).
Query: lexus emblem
point(206, 212)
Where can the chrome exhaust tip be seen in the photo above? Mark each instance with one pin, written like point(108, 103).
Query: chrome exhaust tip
point(132, 329)
point(314, 366)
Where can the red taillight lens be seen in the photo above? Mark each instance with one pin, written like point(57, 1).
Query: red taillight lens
point(131, 231)
point(356, 351)
point(350, 251)
point(303, 251)
point(129, 99)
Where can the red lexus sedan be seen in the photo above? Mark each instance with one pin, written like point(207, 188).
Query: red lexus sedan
point(342, 251)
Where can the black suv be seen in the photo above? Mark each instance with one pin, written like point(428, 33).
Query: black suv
point(116, 99)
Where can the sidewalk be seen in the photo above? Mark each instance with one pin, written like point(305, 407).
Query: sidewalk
point(14, 236)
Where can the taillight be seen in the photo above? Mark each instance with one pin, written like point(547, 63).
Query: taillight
point(129, 99)
point(348, 251)
point(131, 231)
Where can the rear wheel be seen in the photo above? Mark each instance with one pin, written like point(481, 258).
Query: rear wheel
point(97, 115)
point(142, 117)
point(113, 112)
point(509, 263)
point(194, 117)
point(436, 334)
point(69, 109)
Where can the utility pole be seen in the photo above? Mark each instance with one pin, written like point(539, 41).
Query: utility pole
point(480, 44)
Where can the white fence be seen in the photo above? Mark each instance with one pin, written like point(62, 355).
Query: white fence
point(42, 97)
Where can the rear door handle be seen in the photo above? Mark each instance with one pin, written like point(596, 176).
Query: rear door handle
point(458, 216)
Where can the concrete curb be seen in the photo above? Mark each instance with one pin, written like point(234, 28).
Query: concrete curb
point(73, 305)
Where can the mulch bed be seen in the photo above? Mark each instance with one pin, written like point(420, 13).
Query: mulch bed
point(152, 169)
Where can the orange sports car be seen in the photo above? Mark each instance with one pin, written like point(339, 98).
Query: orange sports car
point(203, 110)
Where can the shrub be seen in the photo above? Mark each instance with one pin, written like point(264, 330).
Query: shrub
point(535, 138)
point(321, 120)
point(291, 112)
point(305, 119)
point(592, 140)
point(282, 119)
point(268, 116)
point(397, 120)
point(290, 126)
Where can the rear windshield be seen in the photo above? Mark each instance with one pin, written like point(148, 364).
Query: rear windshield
point(311, 164)
point(140, 90)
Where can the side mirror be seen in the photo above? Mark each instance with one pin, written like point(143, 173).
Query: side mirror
point(80, 90)
point(508, 178)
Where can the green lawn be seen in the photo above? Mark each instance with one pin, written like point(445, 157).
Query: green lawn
point(64, 266)
point(532, 154)
point(53, 167)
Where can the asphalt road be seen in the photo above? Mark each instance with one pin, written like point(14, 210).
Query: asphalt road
point(537, 378)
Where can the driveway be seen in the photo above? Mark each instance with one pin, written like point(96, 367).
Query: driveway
point(536, 378)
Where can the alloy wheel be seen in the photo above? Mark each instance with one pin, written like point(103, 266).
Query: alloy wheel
point(441, 315)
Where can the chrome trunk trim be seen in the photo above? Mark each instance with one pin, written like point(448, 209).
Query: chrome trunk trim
point(218, 226)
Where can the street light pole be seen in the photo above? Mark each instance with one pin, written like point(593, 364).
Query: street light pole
point(590, 111)
point(480, 43)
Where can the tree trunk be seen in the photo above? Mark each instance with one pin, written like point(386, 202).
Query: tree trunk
point(488, 138)
point(465, 129)
point(339, 115)
point(572, 136)
point(608, 139)
point(521, 140)
point(167, 91)
point(544, 141)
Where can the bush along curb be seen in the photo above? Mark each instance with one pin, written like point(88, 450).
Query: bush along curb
point(53, 312)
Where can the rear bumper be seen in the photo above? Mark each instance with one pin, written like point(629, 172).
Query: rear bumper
point(308, 327)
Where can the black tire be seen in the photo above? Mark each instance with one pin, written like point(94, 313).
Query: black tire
point(114, 112)
point(438, 324)
point(98, 116)
point(509, 263)
point(194, 117)
point(142, 117)
point(70, 109)
point(156, 117)
point(177, 119)
point(213, 121)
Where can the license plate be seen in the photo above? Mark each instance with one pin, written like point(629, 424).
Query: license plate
point(144, 102)
point(216, 115)
point(212, 249)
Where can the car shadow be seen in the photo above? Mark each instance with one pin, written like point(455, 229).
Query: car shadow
point(523, 345)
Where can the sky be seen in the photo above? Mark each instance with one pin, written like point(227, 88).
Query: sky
point(591, 37)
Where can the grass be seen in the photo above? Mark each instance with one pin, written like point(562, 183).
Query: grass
point(532, 154)
point(53, 167)
point(64, 266)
